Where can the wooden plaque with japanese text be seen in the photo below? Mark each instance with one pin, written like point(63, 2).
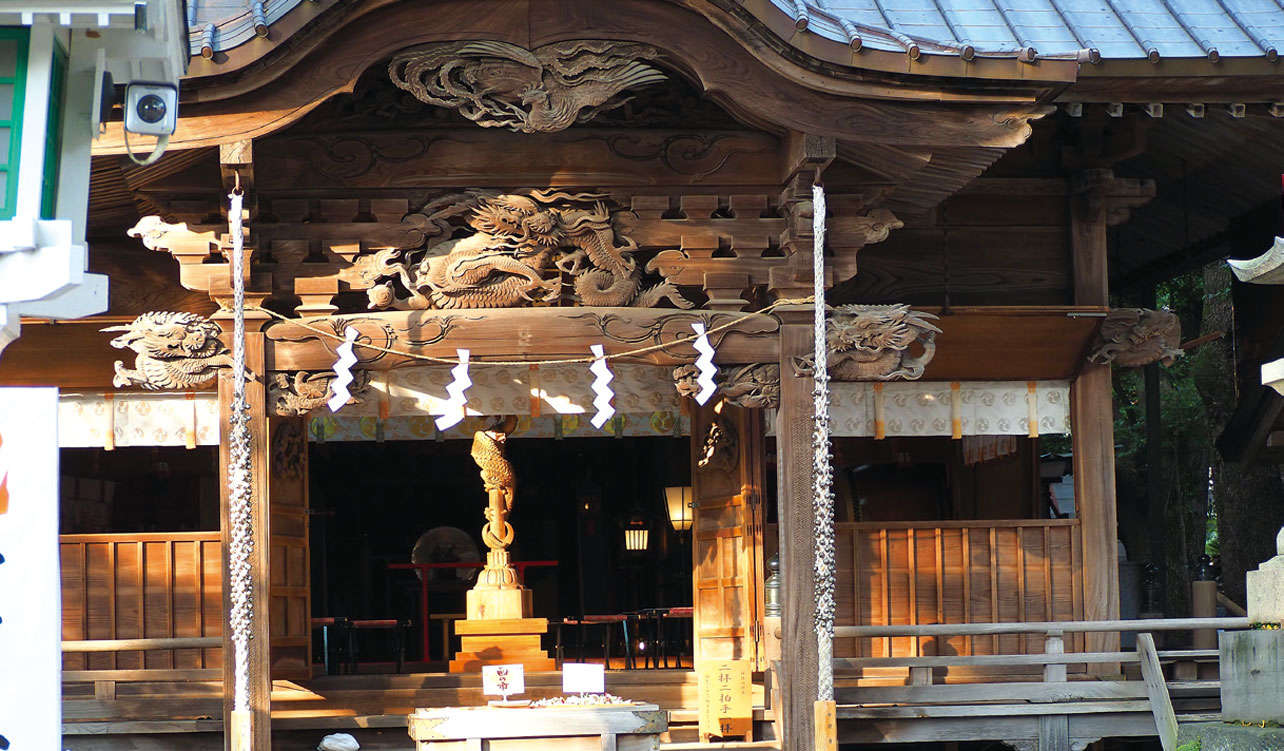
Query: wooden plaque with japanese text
point(726, 699)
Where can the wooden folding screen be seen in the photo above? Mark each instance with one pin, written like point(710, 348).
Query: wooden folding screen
point(289, 614)
point(727, 482)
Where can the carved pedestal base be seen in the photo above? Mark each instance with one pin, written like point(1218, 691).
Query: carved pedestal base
point(498, 604)
point(501, 642)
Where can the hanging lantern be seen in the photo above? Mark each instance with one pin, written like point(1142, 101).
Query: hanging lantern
point(678, 501)
point(636, 535)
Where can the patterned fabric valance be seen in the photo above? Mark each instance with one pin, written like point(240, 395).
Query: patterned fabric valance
point(968, 408)
point(134, 419)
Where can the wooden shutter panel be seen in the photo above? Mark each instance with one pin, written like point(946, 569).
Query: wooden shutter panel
point(727, 570)
point(289, 602)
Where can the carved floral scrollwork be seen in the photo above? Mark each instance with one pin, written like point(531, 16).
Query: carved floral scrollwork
point(755, 386)
point(501, 85)
point(300, 392)
point(172, 350)
point(873, 343)
point(1133, 337)
point(697, 155)
point(520, 246)
point(677, 325)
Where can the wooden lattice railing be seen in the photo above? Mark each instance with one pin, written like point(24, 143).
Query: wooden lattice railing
point(147, 588)
point(910, 573)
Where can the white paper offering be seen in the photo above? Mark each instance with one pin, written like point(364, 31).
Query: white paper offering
point(503, 680)
point(583, 678)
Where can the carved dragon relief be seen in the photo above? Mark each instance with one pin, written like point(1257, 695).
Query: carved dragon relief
point(299, 392)
point(872, 343)
point(501, 85)
point(518, 240)
point(754, 386)
point(720, 450)
point(1133, 337)
point(173, 350)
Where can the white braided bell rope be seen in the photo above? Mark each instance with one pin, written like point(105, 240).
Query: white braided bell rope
point(822, 471)
point(240, 490)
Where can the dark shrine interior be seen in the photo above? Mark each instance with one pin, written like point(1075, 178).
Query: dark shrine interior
point(371, 503)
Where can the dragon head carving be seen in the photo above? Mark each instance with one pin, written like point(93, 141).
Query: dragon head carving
point(1133, 337)
point(519, 220)
point(872, 343)
point(172, 350)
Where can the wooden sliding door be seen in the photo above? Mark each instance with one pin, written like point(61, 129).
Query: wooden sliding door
point(727, 481)
point(289, 605)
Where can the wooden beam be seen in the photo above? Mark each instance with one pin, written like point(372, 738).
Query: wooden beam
point(1038, 343)
point(826, 727)
point(806, 153)
point(799, 664)
point(1092, 421)
point(524, 334)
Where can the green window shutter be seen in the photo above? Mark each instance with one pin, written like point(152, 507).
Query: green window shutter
point(53, 134)
point(13, 82)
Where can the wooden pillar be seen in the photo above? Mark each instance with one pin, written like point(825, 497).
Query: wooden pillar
point(259, 653)
point(798, 680)
point(1092, 418)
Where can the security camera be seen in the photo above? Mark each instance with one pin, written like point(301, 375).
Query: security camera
point(151, 109)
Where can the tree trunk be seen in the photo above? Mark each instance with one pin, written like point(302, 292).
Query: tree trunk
point(1249, 498)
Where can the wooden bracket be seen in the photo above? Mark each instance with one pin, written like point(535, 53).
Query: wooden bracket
point(237, 158)
point(804, 153)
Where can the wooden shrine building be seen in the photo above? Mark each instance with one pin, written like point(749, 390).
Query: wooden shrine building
point(525, 179)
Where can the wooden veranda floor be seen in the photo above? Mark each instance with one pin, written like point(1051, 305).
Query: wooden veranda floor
point(338, 703)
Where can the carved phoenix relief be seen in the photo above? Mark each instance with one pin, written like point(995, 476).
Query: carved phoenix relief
point(501, 85)
point(173, 350)
point(301, 391)
point(1133, 337)
point(519, 246)
point(872, 343)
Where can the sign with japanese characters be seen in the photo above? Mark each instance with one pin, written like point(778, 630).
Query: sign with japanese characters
point(726, 698)
point(30, 616)
point(503, 680)
point(583, 678)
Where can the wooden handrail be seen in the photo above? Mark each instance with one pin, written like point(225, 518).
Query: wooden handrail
point(131, 645)
point(1037, 659)
point(1231, 605)
point(201, 536)
point(960, 524)
point(1045, 627)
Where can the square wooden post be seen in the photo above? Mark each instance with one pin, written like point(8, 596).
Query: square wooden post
point(798, 663)
point(1092, 419)
point(259, 653)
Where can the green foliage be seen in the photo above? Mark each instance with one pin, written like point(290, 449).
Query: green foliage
point(1174, 533)
point(1194, 745)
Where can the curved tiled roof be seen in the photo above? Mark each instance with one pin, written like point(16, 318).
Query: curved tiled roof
point(1095, 29)
point(217, 25)
point(1087, 29)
